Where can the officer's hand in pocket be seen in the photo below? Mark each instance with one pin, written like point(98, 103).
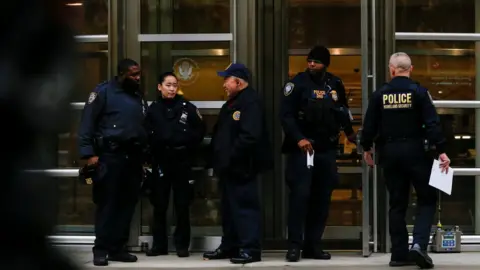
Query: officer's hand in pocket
point(305, 145)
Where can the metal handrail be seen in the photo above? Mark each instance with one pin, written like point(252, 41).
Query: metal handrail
point(185, 37)
point(91, 38)
point(199, 104)
point(74, 172)
point(459, 104)
point(437, 36)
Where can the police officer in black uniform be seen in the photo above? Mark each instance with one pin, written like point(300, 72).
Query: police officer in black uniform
point(240, 151)
point(175, 129)
point(112, 136)
point(402, 115)
point(313, 111)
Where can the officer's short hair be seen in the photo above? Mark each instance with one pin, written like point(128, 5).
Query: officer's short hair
point(401, 61)
point(124, 65)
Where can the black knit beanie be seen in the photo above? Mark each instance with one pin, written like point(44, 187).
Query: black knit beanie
point(320, 53)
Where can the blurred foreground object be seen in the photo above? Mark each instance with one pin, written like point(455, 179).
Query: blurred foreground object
point(37, 61)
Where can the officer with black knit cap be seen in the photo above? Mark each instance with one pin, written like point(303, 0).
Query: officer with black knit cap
point(313, 112)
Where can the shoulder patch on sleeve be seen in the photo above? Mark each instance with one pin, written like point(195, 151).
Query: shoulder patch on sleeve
point(92, 97)
point(198, 113)
point(288, 89)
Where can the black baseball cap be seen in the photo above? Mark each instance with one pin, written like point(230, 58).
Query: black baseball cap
point(236, 70)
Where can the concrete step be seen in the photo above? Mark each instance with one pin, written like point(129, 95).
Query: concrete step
point(339, 261)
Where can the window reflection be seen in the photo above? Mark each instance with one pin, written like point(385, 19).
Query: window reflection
point(459, 128)
point(196, 69)
point(448, 73)
point(457, 209)
point(310, 23)
point(346, 208)
point(75, 207)
point(88, 17)
point(435, 16)
point(92, 69)
point(185, 16)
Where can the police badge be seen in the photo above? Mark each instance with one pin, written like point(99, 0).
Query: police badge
point(334, 95)
point(236, 115)
point(183, 118)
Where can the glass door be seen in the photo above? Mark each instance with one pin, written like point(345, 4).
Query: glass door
point(343, 27)
point(193, 39)
point(368, 71)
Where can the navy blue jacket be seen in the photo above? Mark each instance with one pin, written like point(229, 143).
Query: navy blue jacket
point(174, 123)
point(112, 114)
point(240, 141)
point(295, 95)
point(401, 109)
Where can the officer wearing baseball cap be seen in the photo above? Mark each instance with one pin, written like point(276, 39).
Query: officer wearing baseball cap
point(313, 112)
point(237, 70)
point(240, 150)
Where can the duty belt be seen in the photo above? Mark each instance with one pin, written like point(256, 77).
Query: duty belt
point(130, 146)
point(402, 139)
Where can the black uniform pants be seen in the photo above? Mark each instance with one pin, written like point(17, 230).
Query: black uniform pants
point(405, 164)
point(241, 213)
point(116, 190)
point(176, 177)
point(310, 197)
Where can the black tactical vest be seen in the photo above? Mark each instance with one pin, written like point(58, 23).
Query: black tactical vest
point(321, 115)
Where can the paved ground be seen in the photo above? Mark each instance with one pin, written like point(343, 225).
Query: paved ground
point(340, 261)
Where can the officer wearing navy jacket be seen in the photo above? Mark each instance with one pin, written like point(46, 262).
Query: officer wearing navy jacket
point(240, 151)
point(176, 129)
point(112, 137)
point(313, 111)
point(400, 116)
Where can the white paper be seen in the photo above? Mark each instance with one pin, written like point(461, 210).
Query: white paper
point(441, 180)
point(310, 159)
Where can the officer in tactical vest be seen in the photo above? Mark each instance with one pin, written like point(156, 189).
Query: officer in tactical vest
point(401, 115)
point(313, 111)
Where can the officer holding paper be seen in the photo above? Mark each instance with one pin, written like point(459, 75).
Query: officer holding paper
point(313, 111)
point(401, 115)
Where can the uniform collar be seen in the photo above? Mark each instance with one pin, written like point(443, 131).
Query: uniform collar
point(114, 82)
point(399, 78)
point(237, 98)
